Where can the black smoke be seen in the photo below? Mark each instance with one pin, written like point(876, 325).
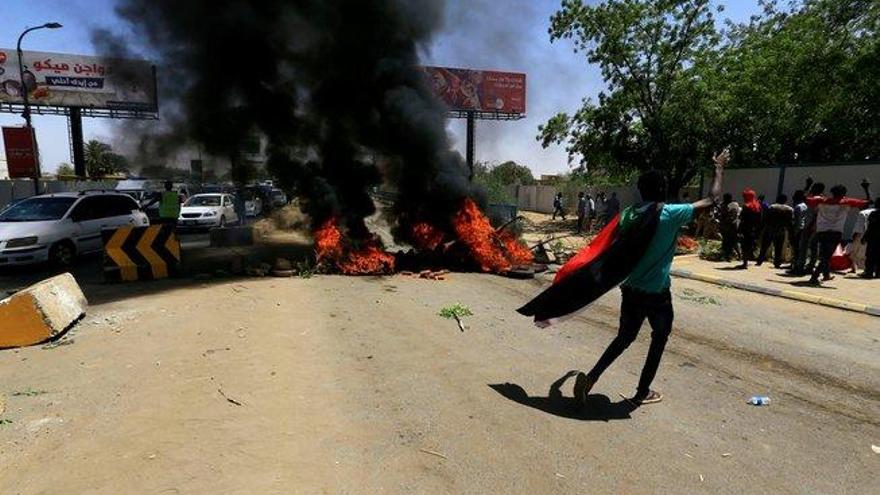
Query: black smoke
point(334, 86)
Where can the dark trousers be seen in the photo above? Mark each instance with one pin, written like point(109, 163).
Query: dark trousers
point(581, 218)
point(806, 248)
point(872, 258)
point(795, 241)
point(635, 307)
point(828, 242)
point(728, 244)
point(747, 246)
point(776, 237)
point(558, 211)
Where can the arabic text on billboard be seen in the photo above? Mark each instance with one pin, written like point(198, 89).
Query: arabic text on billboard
point(479, 90)
point(64, 80)
point(21, 161)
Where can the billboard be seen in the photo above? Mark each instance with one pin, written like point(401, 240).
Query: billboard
point(21, 161)
point(479, 90)
point(64, 80)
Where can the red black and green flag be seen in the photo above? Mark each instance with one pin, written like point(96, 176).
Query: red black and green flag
point(599, 267)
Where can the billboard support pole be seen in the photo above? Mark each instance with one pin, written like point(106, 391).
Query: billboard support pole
point(76, 142)
point(471, 122)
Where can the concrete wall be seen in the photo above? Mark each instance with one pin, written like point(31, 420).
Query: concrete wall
point(11, 190)
point(766, 180)
point(539, 198)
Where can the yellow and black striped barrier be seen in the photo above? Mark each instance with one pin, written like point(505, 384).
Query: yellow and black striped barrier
point(140, 253)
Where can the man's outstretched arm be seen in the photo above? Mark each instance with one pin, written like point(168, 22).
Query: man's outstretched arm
point(720, 160)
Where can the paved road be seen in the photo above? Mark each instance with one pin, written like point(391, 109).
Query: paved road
point(355, 385)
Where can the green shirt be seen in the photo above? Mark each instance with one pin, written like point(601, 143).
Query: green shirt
point(651, 273)
point(169, 205)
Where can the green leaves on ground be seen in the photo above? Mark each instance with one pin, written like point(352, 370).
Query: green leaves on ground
point(697, 297)
point(455, 310)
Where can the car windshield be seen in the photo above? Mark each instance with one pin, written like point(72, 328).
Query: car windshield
point(211, 200)
point(37, 210)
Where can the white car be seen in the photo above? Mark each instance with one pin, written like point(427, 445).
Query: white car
point(58, 227)
point(208, 210)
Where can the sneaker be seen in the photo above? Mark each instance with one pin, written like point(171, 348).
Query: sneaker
point(651, 397)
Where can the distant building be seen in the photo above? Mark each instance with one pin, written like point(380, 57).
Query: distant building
point(4, 172)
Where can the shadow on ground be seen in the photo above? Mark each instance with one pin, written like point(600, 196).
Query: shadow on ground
point(599, 407)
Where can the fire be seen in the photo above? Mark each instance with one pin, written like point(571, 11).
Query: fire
point(493, 251)
point(368, 259)
point(426, 236)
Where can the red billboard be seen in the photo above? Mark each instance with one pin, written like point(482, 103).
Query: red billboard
point(21, 161)
point(479, 90)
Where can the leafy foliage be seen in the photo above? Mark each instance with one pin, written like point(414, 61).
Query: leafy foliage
point(795, 83)
point(101, 160)
point(653, 113)
point(455, 310)
point(65, 170)
point(496, 179)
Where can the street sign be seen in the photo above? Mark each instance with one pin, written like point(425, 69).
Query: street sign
point(21, 158)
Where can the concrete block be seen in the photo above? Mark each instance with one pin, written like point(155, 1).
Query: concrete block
point(232, 236)
point(41, 311)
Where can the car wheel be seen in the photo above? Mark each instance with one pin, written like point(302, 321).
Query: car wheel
point(61, 255)
point(222, 221)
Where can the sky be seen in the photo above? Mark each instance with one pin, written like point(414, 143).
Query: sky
point(507, 35)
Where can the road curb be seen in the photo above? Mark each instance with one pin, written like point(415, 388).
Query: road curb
point(787, 294)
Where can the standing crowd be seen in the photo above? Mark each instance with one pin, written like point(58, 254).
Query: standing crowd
point(814, 224)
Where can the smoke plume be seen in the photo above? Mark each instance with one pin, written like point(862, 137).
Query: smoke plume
point(334, 86)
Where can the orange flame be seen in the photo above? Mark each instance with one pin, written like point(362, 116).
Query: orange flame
point(493, 251)
point(426, 236)
point(369, 259)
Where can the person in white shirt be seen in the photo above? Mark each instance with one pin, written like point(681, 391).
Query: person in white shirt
point(856, 249)
point(831, 216)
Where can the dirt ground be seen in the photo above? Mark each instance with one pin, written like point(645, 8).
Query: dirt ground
point(355, 385)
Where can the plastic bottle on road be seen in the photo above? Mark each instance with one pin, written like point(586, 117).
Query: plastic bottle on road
point(759, 401)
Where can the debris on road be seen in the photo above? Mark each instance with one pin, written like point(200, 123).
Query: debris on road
point(283, 268)
point(229, 399)
point(456, 311)
point(726, 454)
point(876, 449)
point(759, 401)
point(431, 452)
point(41, 312)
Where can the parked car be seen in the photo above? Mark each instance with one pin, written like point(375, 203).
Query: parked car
point(279, 199)
point(58, 227)
point(208, 210)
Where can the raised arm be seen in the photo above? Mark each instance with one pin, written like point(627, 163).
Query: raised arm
point(720, 160)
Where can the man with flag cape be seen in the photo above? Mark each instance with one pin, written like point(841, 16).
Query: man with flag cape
point(636, 249)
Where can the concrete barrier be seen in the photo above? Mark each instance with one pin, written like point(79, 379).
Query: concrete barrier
point(232, 236)
point(41, 311)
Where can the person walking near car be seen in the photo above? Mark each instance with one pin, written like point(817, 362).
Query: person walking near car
point(798, 224)
point(856, 248)
point(169, 204)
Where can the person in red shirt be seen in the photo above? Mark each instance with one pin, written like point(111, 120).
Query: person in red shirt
point(831, 213)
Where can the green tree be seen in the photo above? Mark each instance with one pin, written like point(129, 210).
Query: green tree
point(497, 179)
point(801, 84)
point(655, 112)
point(101, 160)
point(65, 170)
point(510, 172)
